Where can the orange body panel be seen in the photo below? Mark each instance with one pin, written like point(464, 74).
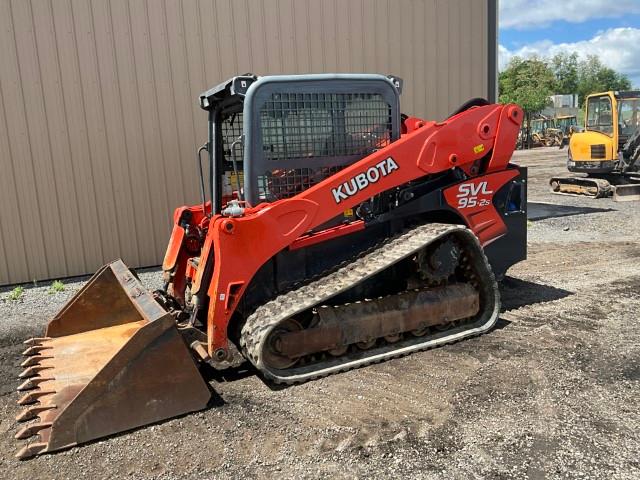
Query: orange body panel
point(242, 245)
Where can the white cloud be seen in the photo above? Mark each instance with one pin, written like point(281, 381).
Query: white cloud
point(618, 48)
point(523, 14)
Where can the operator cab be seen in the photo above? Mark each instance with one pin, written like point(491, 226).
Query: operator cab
point(273, 137)
point(606, 109)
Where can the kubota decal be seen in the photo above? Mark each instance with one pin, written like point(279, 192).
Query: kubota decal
point(473, 195)
point(363, 180)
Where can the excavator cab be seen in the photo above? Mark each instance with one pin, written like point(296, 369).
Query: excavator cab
point(628, 117)
point(610, 120)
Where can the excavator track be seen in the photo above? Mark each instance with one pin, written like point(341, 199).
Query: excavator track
point(581, 186)
point(480, 294)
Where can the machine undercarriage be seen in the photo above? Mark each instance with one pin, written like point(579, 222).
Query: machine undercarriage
point(442, 290)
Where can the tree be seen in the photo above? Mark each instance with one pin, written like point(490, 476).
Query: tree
point(594, 77)
point(529, 83)
point(565, 71)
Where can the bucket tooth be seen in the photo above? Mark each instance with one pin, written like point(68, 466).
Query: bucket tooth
point(33, 396)
point(31, 430)
point(36, 340)
point(33, 382)
point(33, 371)
point(31, 450)
point(34, 360)
point(34, 350)
point(33, 412)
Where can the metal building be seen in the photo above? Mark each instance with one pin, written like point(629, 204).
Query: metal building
point(99, 120)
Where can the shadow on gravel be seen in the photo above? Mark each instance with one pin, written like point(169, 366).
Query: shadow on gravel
point(228, 375)
point(501, 323)
point(541, 211)
point(240, 372)
point(516, 293)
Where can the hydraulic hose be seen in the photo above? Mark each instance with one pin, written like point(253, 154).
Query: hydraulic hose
point(204, 147)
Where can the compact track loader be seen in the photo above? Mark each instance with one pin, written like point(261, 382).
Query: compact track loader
point(607, 152)
point(334, 232)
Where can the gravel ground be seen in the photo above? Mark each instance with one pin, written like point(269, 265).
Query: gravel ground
point(552, 392)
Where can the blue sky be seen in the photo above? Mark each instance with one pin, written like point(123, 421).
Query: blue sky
point(607, 28)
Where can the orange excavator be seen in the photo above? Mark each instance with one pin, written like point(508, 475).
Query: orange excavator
point(334, 232)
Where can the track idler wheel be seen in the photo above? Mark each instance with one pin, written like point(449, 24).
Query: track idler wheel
point(272, 355)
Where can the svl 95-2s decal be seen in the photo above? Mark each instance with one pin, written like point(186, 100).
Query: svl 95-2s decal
point(473, 195)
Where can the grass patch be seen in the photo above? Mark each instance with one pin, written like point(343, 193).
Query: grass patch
point(15, 294)
point(56, 287)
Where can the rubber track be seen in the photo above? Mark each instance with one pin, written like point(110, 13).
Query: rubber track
point(266, 317)
point(603, 186)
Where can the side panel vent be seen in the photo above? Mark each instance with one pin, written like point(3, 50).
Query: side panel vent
point(598, 151)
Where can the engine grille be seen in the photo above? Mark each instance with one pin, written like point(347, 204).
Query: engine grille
point(598, 151)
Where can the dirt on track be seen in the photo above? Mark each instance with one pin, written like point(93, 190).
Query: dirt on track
point(552, 392)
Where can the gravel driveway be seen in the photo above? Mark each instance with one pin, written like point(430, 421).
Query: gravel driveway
point(552, 392)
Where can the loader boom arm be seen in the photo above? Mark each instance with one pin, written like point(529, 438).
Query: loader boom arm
point(460, 141)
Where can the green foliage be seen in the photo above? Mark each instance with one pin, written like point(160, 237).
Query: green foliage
point(56, 287)
point(565, 70)
point(527, 82)
point(594, 77)
point(15, 294)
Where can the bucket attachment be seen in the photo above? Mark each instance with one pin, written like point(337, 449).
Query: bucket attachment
point(110, 361)
point(626, 193)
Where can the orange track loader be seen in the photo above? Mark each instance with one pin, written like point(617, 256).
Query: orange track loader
point(334, 232)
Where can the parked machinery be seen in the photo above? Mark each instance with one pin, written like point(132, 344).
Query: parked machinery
point(607, 151)
point(544, 132)
point(336, 233)
point(567, 126)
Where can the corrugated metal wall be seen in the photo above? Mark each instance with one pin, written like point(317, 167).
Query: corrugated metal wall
point(98, 115)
